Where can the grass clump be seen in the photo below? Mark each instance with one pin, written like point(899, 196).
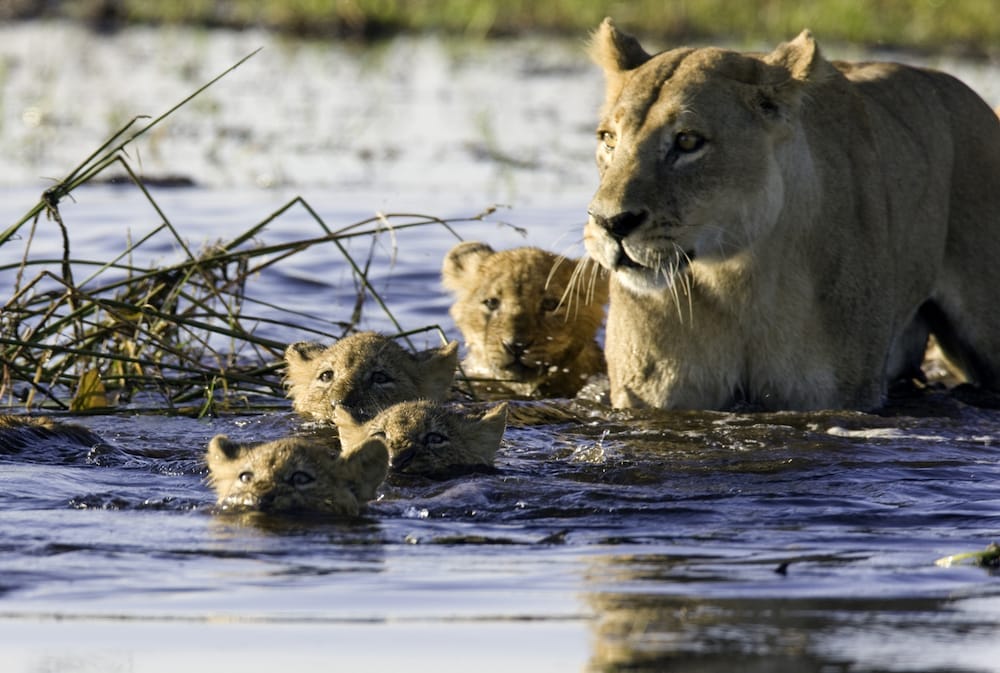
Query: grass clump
point(185, 337)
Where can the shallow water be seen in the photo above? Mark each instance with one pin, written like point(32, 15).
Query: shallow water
point(611, 541)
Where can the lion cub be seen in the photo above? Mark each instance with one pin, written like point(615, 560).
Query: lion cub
point(529, 318)
point(21, 432)
point(429, 438)
point(366, 372)
point(296, 474)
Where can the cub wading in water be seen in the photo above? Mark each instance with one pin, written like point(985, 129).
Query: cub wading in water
point(296, 474)
point(366, 372)
point(784, 231)
point(529, 318)
point(18, 433)
point(429, 438)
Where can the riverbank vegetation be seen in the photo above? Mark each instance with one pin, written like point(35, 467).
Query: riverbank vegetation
point(971, 27)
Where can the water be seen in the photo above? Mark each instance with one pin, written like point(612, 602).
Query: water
point(612, 541)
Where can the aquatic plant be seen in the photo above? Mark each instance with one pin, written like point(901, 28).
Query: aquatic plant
point(183, 336)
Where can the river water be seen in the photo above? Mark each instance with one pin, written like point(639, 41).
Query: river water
point(606, 541)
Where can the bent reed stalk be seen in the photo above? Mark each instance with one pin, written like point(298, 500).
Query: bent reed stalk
point(82, 335)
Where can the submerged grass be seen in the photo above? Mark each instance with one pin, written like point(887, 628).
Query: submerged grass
point(97, 335)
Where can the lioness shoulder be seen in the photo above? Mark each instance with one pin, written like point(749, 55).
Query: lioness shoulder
point(366, 372)
point(529, 318)
point(296, 474)
point(786, 231)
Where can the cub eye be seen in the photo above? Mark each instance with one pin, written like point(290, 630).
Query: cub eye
point(434, 438)
point(380, 377)
point(607, 139)
point(688, 142)
point(246, 477)
point(326, 375)
point(550, 304)
point(491, 304)
point(300, 478)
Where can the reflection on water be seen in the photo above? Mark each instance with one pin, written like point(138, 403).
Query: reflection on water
point(606, 541)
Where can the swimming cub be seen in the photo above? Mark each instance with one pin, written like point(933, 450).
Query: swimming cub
point(430, 438)
point(296, 474)
point(366, 372)
point(529, 318)
point(18, 433)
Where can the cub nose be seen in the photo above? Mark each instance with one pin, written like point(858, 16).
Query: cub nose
point(620, 225)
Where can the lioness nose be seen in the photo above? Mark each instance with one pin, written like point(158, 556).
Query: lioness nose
point(620, 225)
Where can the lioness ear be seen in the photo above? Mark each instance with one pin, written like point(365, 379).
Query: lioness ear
point(366, 467)
point(438, 370)
point(801, 58)
point(461, 262)
point(616, 53)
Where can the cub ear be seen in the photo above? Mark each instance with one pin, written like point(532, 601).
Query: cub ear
point(493, 423)
point(462, 262)
point(221, 449)
point(352, 431)
point(366, 467)
point(801, 58)
point(437, 370)
point(298, 360)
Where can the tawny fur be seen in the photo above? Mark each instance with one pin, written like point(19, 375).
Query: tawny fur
point(786, 231)
point(296, 474)
point(430, 438)
point(529, 318)
point(366, 372)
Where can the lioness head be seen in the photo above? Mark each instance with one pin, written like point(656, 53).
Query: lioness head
point(527, 316)
point(296, 473)
point(366, 372)
point(689, 151)
point(430, 439)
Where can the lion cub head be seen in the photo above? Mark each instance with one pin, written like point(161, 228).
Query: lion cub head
point(429, 438)
point(296, 474)
point(366, 372)
point(529, 317)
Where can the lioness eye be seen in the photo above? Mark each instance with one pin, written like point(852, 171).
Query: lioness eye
point(607, 138)
point(300, 478)
point(246, 477)
point(550, 304)
point(688, 142)
point(326, 375)
point(434, 438)
point(492, 303)
point(379, 377)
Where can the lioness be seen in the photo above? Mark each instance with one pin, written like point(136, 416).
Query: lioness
point(429, 438)
point(784, 231)
point(296, 474)
point(529, 318)
point(366, 372)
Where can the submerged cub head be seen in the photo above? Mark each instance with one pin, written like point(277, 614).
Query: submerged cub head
point(528, 317)
point(691, 149)
point(366, 372)
point(296, 473)
point(429, 438)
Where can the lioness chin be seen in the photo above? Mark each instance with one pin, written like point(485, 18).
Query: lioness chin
point(785, 231)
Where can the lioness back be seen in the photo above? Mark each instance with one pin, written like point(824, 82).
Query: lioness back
point(529, 318)
point(296, 474)
point(786, 231)
point(430, 438)
point(366, 372)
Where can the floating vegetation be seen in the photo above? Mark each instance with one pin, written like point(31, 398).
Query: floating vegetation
point(988, 558)
point(183, 337)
